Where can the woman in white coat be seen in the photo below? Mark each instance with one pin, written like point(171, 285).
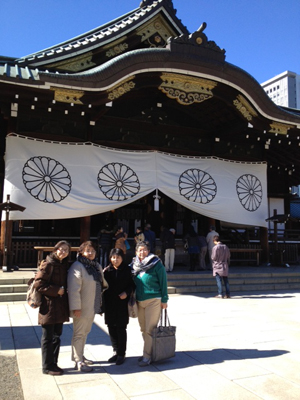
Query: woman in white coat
point(85, 287)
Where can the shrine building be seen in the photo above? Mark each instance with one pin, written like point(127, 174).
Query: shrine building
point(143, 122)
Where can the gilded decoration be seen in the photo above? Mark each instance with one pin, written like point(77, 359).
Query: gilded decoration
point(116, 50)
point(77, 64)
point(155, 33)
point(185, 89)
point(199, 42)
point(277, 127)
point(244, 108)
point(68, 96)
point(119, 90)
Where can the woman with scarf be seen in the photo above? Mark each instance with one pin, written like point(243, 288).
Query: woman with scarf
point(51, 281)
point(150, 279)
point(119, 279)
point(85, 287)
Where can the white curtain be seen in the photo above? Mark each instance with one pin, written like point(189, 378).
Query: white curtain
point(66, 180)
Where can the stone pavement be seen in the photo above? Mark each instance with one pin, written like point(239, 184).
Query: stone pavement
point(244, 348)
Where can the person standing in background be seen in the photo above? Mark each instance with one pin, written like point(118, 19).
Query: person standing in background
point(120, 237)
point(203, 251)
point(104, 237)
point(163, 234)
point(210, 243)
point(193, 247)
point(139, 236)
point(169, 245)
point(150, 237)
point(220, 259)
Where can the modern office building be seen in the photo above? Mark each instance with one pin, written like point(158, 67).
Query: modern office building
point(284, 89)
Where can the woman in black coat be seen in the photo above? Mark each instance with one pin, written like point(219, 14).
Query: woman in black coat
point(120, 286)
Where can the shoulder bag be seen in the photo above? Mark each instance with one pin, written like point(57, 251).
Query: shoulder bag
point(33, 296)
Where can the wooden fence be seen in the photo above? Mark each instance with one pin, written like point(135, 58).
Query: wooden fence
point(24, 255)
point(23, 252)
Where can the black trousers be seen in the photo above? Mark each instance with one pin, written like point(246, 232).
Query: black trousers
point(50, 345)
point(193, 261)
point(118, 338)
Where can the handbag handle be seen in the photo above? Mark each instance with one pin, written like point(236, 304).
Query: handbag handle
point(164, 318)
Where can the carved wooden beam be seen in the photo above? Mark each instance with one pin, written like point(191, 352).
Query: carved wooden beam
point(185, 89)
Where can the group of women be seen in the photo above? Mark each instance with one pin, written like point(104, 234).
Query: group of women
point(85, 289)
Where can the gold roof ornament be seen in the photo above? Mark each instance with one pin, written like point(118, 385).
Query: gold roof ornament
point(244, 107)
point(157, 28)
point(122, 88)
point(186, 89)
point(279, 128)
point(76, 64)
point(67, 95)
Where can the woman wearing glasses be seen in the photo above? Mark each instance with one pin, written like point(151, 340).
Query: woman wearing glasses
point(51, 281)
point(150, 279)
point(85, 287)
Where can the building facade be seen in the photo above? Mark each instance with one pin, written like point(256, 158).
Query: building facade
point(143, 82)
point(284, 89)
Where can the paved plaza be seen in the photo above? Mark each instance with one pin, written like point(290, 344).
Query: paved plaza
point(244, 348)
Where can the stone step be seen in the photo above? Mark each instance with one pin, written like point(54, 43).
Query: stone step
point(6, 297)
point(15, 288)
point(234, 281)
point(233, 288)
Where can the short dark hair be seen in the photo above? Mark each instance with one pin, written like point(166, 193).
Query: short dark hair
point(216, 238)
point(116, 251)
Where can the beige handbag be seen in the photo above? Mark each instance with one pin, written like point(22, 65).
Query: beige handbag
point(164, 340)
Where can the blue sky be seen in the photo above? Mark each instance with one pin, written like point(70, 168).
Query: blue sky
point(259, 36)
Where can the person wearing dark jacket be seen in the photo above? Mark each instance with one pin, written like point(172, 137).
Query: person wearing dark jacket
point(150, 237)
point(193, 244)
point(105, 237)
point(51, 281)
point(120, 286)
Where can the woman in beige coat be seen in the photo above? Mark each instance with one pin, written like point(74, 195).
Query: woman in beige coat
point(85, 287)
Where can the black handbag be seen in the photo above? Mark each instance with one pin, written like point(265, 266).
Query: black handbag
point(164, 340)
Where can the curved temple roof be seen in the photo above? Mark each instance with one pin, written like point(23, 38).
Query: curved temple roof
point(147, 47)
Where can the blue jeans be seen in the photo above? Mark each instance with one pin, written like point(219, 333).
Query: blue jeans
point(219, 284)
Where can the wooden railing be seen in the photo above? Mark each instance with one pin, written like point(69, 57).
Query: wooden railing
point(23, 253)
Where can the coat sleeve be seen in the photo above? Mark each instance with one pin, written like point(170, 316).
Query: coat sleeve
point(74, 286)
point(130, 287)
point(43, 282)
point(213, 253)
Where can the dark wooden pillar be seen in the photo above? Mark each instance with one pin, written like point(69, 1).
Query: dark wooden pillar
point(264, 242)
point(85, 229)
point(6, 230)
